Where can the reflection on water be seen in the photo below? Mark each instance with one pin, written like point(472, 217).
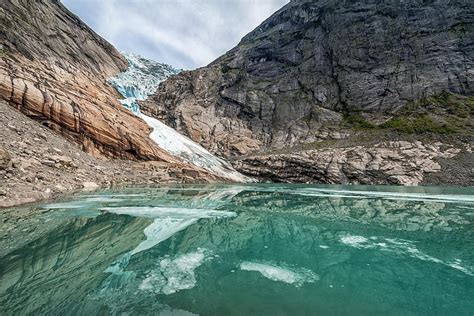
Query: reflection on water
point(248, 249)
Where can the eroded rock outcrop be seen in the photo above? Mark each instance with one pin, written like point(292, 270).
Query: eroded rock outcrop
point(53, 68)
point(4, 158)
point(398, 162)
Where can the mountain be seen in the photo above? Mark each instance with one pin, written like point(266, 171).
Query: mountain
point(338, 92)
point(58, 99)
point(54, 68)
point(373, 92)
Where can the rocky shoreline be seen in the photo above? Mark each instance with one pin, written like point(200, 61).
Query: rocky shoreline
point(39, 164)
point(389, 163)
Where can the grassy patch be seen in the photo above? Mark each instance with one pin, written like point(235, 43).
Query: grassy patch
point(356, 121)
point(444, 113)
point(417, 125)
point(451, 104)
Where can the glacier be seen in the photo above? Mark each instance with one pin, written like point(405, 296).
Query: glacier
point(139, 81)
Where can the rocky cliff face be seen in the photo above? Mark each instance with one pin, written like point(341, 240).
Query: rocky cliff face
point(54, 68)
point(323, 70)
point(383, 163)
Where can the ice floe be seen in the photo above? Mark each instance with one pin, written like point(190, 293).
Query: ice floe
point(399, 196)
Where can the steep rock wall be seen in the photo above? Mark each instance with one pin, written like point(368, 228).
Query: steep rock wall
point(293, 78)
point(54, 68)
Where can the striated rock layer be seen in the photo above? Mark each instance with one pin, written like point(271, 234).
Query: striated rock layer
point(316, 70)
point(53, 68)
point(398, 162)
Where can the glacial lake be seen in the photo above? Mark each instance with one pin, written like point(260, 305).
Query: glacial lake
point(246, 250)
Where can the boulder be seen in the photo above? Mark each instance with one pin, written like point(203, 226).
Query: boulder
point(5, 159)
point(90, 186)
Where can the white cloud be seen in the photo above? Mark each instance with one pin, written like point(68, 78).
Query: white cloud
point(183, 33)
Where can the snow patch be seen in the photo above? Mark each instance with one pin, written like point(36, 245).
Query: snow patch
point(189, 151)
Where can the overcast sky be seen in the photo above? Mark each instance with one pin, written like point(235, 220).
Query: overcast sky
point(183, 33)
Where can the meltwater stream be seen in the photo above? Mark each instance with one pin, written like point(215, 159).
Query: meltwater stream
point(243, 250)
point(141, 80)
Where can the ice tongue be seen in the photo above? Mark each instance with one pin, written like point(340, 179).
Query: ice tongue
point(141, 80)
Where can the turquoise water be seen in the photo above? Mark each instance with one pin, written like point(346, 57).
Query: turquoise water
point(248, 250)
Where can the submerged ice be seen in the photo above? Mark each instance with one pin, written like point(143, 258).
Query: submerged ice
point(173, 275)
point(402, 247)
point(141, 80)
point(167, 222)
point(169, 275)
point(294, 276)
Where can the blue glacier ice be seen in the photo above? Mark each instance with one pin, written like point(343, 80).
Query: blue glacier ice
point(141, 80)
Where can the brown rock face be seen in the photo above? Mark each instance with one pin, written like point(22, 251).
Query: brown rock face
point(54, 68)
